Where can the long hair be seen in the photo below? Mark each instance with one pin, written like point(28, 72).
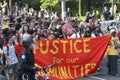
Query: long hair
point(27, 27)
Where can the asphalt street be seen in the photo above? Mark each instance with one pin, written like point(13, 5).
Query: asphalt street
point(102, 75)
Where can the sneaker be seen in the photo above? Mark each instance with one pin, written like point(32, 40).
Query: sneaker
point(116, 75)
point(99, 69)
point(3, 72)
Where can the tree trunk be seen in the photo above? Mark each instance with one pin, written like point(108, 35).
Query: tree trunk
point(89, 5)
point(51, 8)
point(80, 5)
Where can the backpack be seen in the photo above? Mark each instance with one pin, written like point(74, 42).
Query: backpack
point(1, 42)
point(4, 59)
point(18, 65)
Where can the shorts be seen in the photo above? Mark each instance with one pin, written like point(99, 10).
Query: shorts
point(12, 70)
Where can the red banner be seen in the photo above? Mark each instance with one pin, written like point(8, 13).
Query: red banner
point(75, 57)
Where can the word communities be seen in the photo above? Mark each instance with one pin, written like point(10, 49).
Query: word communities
point(69, 72)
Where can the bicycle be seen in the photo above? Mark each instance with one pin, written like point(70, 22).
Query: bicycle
point(39, 76)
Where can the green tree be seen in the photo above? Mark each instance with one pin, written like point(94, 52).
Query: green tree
point(32, 3)
point(49, 3)
point(114, 0)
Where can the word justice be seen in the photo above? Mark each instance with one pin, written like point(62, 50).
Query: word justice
point(65, 46)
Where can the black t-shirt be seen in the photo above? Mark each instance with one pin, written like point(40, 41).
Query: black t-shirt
point(26, 64)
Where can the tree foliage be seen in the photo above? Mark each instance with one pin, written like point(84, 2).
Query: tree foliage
point(72, 4)
point(49, 3)
point(32, 3)
point(114, 1)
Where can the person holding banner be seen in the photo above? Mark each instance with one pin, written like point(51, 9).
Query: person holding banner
point(112, 54)
point(97, 32)
point(87, 32)
point(27, 61)
point(76, 34)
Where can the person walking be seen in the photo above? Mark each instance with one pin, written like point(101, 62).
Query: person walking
point(112, 54)
point(11, 58)
point(27, 61)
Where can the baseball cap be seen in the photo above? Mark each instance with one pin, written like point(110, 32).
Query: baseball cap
point(112, 30)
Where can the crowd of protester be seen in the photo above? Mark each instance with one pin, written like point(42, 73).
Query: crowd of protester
point(25, 22)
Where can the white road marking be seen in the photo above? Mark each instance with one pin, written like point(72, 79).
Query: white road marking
point(97, 78)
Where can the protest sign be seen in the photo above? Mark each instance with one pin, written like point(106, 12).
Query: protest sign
point(105, 24)
point(67, 29)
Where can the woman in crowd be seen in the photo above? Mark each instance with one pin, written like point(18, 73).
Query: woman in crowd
point(112, 54)
point(25, 33)
point(11, 58)
point(87, 32)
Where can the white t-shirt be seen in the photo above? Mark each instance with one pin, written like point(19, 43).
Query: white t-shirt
point(58, 26)
point(25, 35)
point(12, 58)
point(75, 35)
point(93, 35)
point(1, 53)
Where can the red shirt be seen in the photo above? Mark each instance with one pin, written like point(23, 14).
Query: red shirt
point(19, 48)
point(118, 34)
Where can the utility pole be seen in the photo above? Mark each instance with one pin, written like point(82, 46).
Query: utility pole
point(63, 6)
